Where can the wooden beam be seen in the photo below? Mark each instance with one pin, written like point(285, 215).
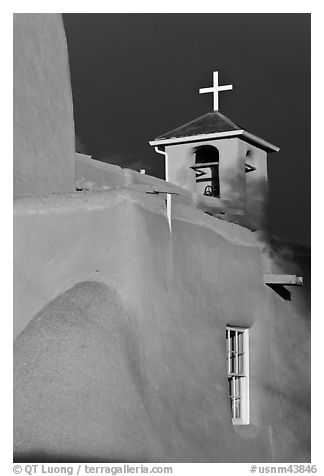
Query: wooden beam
point(284, 279)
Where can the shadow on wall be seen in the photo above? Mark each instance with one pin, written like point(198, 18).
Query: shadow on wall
point(254, 214)
point(77, 359)
point(289, 258)
point(285, 258)
point(232, 184)
point(281, 291)
point(256, 203)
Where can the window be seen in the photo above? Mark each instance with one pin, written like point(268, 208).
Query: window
point(249, 167)
point(237, 342)
point(207, 170)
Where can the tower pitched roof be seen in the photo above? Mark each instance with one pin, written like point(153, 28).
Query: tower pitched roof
point(206, 124)
point(211, 125)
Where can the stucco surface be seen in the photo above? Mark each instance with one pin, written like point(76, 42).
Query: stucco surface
point(92, 174)
point(132, 355)
point(243, 196)
point(43, 121)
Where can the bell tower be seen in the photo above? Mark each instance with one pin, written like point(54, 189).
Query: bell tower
point(223, 165)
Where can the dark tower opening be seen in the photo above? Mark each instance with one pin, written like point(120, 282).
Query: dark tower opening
point(207, 157)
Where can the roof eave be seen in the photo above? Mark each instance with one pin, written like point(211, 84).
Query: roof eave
point(261, 142)
point(195, 138)
point(217, 135)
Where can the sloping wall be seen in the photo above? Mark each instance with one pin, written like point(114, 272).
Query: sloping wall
point(132, 357)
point(92, 174)
point(43, 124)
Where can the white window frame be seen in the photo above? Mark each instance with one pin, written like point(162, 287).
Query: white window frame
point(238, 374)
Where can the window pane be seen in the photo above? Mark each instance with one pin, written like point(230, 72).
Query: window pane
point(230, 387)
point(233, 408)
point(237, 387)
point(240, 342)
point(232, 363)
point(241, 364)
point(236, 363)
point(232, 340)
point(237, 409)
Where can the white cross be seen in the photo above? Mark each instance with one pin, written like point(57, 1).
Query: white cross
point(215, 89)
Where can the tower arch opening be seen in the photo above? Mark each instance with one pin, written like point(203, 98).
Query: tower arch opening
point(207, 170)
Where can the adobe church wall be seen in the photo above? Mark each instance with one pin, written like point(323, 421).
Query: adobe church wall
point(43, 121)
point(92, 174)
point(169, 299)
point(231, 168)
point(257, 199)
point(243, 196)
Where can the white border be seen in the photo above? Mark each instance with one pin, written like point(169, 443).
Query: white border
point(235, 6)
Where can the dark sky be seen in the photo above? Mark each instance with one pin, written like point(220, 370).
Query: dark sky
point(136, 76)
